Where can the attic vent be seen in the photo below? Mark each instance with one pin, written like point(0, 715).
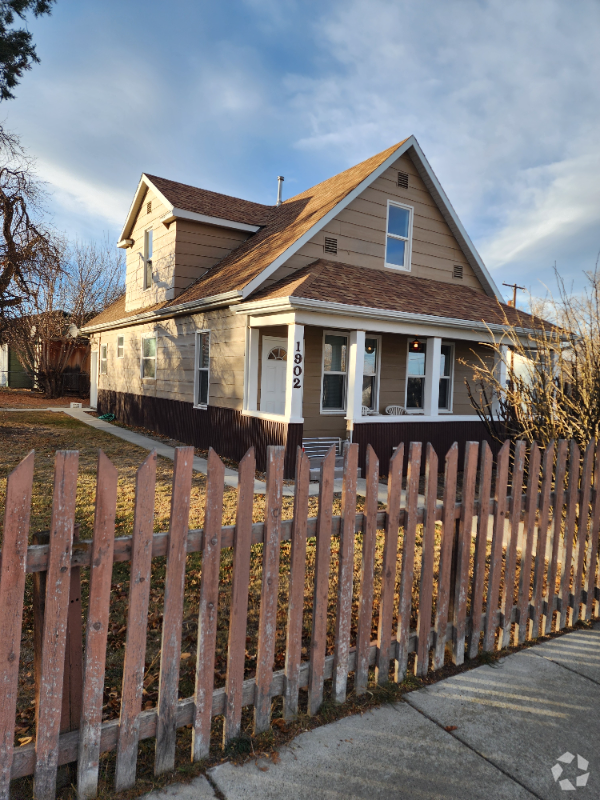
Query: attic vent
point(331, 246)
point(149, 207)
point(457, 271)
point(403, 180)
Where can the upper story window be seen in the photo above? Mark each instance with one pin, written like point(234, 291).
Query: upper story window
point(398, 236)
point(335, 350)
point(202, 369)
point(120, 346)
point(103, 359)
point(148, 244)
point(148, 364)
point(370, 374)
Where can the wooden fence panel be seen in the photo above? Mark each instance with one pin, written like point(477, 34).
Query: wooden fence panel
point(137, 624)
point(365, 606)
point(542, 540)
point(567, 556)
point(166, 726)
point(343, 618)
point(408, 558)
point(463, 552)
point(502, 464)
point(511, 550)
point(293, 648)
point(209, 607)
point(557, 511)
point(485, 504)
point(446, 545)
point(522, 630)
point(236, 649)
point(97, 628)
point(591, 606)
point(427, 558)
point(582, 531)
point(17, 513)
point(318, 642)
point(49, 702)
point(388, 567)
point(267, 625)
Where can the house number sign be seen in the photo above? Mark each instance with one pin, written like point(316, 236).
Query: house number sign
point(297, 367)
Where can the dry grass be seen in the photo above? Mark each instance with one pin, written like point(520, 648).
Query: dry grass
point(26, 398)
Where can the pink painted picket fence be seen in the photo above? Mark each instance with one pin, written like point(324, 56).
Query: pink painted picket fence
point(516, 558)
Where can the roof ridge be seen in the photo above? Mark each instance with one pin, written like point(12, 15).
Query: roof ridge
point(209, 191)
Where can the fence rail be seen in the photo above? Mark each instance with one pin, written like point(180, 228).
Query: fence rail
point(535, 573)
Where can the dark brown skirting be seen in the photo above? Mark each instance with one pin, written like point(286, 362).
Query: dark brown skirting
point(224, 429)
point(384, 436)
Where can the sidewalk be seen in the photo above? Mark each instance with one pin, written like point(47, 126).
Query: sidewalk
point(525, 728)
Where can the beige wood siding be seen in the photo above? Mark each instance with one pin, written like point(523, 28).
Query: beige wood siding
point(199, 247)
point(315, 423)
point(360, 230)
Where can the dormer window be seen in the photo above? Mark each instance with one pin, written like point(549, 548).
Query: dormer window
point(147, 259)
point(399, 236)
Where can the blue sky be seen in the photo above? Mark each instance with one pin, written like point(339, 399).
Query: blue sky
point(503, 97)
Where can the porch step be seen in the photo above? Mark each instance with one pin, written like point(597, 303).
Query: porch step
point(315, 472)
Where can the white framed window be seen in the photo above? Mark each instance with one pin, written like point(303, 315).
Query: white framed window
point(120, 346)
point(335, 372)
point(371, 370)
point(415, 375)
point(446, 377)
point(398, 240)
point(202, 369)
point(148, 360)
point(148, 248)
point(103, 359)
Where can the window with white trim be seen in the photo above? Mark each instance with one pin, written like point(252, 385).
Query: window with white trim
point(120, 346)
point(446, 371)
point(202, 361)
point(335, 358)
point(370, 385)
point(415, 375)
point(398, 236)
point(148, 248)
point(148, 364)
point(103, 359)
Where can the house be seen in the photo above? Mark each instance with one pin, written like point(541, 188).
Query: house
point(351, 310)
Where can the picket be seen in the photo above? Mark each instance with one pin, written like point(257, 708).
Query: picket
point(557, 511)
point(502, 465)
point(567, 550)
point(522, 630)
point(485, 488)
point(293, 642)
point(540, 557)
point(511, 552)
point(591, 604)
point(49, 702)
point(12, 586)
point(388, 566)
point(209, 606)
point(236, 648)
point(582, 530)
point(137, 623)
point(97, 628)
point(365, 605)
point(267, 625)
point(427, 557)
point(445, 568)
point(166, 726)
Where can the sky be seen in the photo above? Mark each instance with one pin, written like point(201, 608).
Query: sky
point(502, 95)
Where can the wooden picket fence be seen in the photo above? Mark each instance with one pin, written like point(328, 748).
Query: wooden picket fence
point(558, 517)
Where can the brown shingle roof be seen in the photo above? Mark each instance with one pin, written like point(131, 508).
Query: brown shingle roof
point(116, 311)
point(286, 225)
point(372, 288)
point(212, 204)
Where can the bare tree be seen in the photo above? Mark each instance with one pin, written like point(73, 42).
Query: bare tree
point(83, 280)
point(543, 381)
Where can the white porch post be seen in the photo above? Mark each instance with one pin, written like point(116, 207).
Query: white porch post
point(251, 398)
point(356, 365)
point(433, 359)
point(295, 373)
point(500, 371)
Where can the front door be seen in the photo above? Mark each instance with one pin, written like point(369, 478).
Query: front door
point(274, 368)
point(94, 379)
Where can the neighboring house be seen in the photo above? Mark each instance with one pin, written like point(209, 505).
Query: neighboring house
point(346, 312)
point(12, 372)
point(75, 376)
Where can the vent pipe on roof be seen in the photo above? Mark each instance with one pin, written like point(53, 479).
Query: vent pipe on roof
point(280, 180)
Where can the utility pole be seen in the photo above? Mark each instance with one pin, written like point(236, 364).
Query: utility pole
point(514, 287)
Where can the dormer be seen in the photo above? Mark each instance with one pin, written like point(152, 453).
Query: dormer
point(175, 233)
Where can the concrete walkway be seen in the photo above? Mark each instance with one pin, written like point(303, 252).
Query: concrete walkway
point(526, 728)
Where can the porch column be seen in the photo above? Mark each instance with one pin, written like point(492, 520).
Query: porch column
point(251, 398)
point(500, 372)
point(295, 373)
point(433, 357)
point(356, 365)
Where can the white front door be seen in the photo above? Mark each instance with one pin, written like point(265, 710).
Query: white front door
point(274, 368)
point(94, 379)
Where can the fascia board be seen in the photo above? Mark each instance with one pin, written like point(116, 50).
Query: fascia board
point(145, 183)
point(306, 237)
point(182, 213)
point(440, 197)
